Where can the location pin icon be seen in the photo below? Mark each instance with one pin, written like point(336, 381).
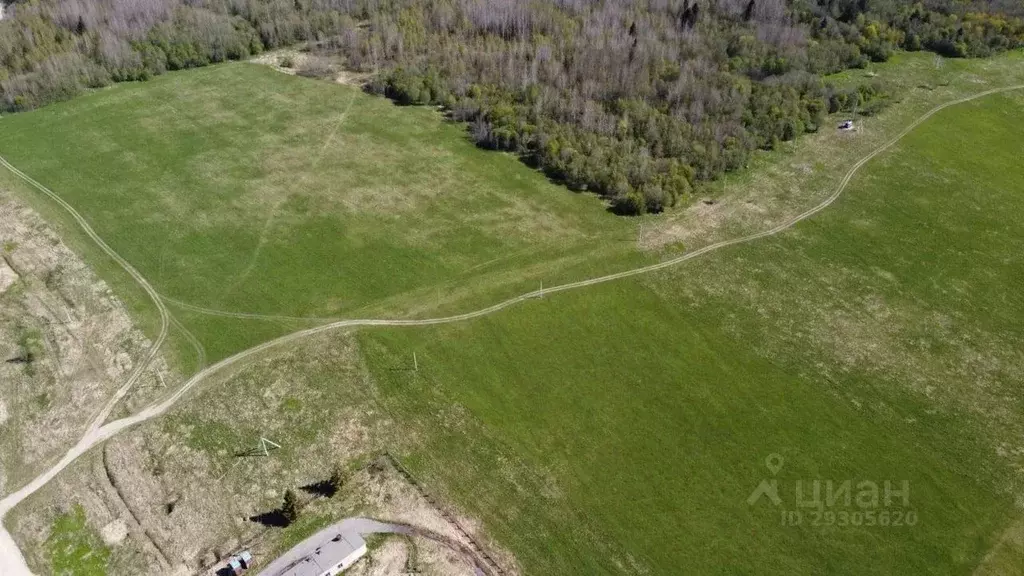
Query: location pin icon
point(774, 463)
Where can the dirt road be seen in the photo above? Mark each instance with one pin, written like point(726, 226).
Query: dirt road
point(11, 563)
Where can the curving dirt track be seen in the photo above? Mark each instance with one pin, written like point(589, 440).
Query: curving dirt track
point(11, 563)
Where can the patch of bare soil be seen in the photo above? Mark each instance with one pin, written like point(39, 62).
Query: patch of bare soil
point(198, 522)
point(352, 78)
point(412, 555)
point(292, 61)
point(66, 344)
point(7, 276)
point(286, 60)
point(387, 559)
point(454, 541)
point(432, 557)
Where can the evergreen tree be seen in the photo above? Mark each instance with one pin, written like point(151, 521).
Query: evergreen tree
point(337, 479)
point(290, 506)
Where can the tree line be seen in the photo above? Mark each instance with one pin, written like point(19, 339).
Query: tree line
point(635, 100)
point(53, 49)
point(640, 101)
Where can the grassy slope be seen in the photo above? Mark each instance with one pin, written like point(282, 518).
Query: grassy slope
point(238, 188)
point(879, 341)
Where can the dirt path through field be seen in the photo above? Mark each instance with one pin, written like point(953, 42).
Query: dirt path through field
point(11, 562)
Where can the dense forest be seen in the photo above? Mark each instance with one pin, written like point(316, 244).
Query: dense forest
point(636, 100)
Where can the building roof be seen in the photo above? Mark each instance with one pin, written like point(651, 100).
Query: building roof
point(326, 556)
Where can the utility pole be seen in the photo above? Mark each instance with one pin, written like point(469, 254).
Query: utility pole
point(415, 364)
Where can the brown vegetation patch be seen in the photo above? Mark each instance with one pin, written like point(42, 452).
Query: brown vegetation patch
point(67, 344)
point(292, 61)
point(180, 494)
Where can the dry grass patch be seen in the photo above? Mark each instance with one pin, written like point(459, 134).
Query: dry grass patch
point(67, 344)
point(185, 491)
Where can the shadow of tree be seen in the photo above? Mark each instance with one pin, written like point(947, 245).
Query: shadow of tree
point(322, 488)
point(273, 519)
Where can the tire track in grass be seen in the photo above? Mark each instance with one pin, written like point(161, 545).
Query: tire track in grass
point(335, 127)
point(99, 434)
point(200, 350)
point(263, 239)
point(241, 315)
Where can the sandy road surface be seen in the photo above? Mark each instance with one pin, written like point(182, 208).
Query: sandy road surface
point(11, 562)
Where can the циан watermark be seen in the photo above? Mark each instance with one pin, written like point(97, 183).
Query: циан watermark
point(839, 503)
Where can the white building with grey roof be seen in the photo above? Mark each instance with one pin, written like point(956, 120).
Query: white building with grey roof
point(330, 558)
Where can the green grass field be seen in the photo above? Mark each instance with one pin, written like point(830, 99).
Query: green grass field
point(238, 188)
point(621, 428)
point(878, 341)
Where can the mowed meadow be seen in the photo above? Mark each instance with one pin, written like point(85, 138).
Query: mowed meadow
point(241, 189)
point(620, 428)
